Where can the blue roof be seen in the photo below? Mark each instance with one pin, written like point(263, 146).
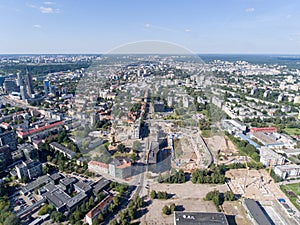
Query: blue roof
point(247, 138)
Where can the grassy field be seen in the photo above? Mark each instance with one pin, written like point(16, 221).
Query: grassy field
point(292, 131)
point(294, 188)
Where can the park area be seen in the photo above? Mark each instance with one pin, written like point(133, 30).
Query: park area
point(292, 131)
point(292, 191)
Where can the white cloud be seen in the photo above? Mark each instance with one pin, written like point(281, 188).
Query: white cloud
point(31, 5)
point(44, 9)
point(37, 26)
point(250, 10)
point(49, 3)
point(48, 10)
point(188, 30)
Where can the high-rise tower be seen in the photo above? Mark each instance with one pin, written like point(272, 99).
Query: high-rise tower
point(29, 83)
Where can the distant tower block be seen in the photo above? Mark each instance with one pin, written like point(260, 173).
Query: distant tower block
point(29, 84)
point(19, 79)
point(187, 81)
point(185, 102)
point(170, 101)
point(93, 119)
point(47, 86)
point(23, 92)
point(139, 73)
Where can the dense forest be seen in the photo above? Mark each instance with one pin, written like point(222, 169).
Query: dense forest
point(36, 70)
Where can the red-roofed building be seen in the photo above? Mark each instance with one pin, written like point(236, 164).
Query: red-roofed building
point(101, 207)
point(263, 129)
point(25, 134)
point(98, 167)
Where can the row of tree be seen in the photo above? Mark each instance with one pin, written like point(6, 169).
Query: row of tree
point(130, 213)
point(159, 195)
point(168, 210)
point(6, 216)
point(244, 147)
point(214, 175)
point(219, 198)
point(177, 178)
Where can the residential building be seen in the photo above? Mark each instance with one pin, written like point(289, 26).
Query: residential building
point(233, 126)
point(99, 208)
point(65, 151)
point(263, 129)
point(30, 169)
point(285, 171)
point(8, 138)
point(120, 168)
point(5, 157)
point(98, 167)
point(269, 157)
point(101, 185)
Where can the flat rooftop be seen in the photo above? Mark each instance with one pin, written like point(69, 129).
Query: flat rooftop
point(200, 218)
point(256, 212)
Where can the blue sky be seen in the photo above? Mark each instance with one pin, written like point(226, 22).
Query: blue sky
point(96, 26)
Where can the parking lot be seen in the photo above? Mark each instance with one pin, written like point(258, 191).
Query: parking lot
point(19, 201)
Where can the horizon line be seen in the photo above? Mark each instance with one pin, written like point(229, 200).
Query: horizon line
point(195, 53)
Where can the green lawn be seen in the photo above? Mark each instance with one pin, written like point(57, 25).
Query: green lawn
point(292, 131)
point(294, 188)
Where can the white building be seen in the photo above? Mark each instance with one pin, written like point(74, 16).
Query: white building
point(233, 126)
point(285, 171)
point(268, 157)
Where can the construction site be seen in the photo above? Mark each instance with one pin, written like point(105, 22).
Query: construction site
point(190, 150)
point(259, 186)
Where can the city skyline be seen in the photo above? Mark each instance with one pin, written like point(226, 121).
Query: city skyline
point(231, 27)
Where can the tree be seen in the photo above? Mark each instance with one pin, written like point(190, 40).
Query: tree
point(228, 196)
point(121, 148)
point(136, 146)
point(131, 213)
point(95, 221)
point(172, 207)
point(166, 210)
point(116, 200)
point(12, 219)
point(162, 195)
point(91, 202)
point(44, 210)
point(100, 217)
point(56, 217)
point(153, 194)
point(216, 200)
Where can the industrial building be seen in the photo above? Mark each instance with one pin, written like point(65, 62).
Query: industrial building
point(256, 213)
point(200, 218)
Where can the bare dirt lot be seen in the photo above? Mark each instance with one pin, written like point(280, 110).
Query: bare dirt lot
point(188, 197)
point(227, 150)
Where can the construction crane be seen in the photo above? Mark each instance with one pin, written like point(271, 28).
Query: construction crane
point(247, 174)
point(271, 165)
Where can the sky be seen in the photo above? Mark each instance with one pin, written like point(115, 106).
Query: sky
point(97, 26)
